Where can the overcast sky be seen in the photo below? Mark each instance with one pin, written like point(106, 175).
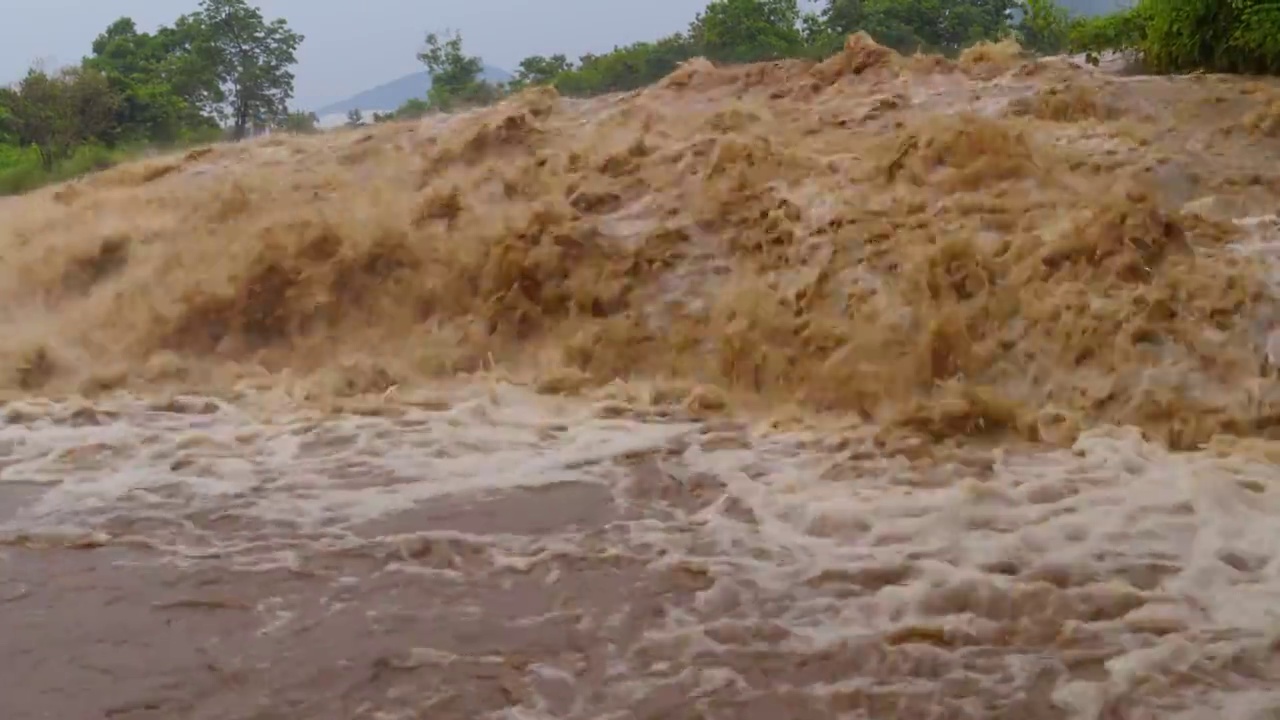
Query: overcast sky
point(353, 45)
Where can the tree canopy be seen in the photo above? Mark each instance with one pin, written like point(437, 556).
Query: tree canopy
point(55, 113)
point(162, 87)
point(223, 64)
point(747, 30)
point(455, 76)
point(250, 60)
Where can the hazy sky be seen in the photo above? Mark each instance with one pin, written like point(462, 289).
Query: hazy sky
point(353, 45)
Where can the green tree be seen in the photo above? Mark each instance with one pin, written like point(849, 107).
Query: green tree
point(944, 26)
point(164, 89)
point(7, 136)
point(1234, 36)
point(1043, 27)
point(1123, 32)
point(626, 68)
point(412, 108)
point(844, 16)
point(455, 76)
point(540, 70)
point(748, 30)
point(894, 25)
point(191, 67)
point(56, 113)
point(820, 39)
point(355, 118)
point(251, 58)
point(1214, 35)
point(300, 122)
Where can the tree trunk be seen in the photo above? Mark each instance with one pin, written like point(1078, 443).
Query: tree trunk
point(46, 157)
point(242, 115)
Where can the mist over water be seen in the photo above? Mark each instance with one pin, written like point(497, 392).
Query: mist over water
point(885, 387)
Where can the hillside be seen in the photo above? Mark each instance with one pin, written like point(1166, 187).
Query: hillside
point(392, 95)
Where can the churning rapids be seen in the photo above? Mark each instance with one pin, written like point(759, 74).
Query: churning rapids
point(887, 387)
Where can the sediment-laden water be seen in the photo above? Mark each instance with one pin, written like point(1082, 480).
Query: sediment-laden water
point(887, 387)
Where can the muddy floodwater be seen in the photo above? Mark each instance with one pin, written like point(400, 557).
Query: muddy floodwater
point(509, 556)
point(881, 387)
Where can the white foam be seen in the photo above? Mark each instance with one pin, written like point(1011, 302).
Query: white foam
point(1165, 565)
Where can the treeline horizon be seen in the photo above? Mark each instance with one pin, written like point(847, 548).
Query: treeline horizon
point(224, 71)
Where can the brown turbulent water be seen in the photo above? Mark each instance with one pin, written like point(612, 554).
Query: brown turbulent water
point(888, 387)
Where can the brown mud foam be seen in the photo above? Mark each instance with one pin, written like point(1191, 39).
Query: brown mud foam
point(994, 245)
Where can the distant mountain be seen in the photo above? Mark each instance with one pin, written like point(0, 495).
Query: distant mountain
point(392, 95)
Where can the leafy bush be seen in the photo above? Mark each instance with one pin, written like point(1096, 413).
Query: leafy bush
point(412, 109)
point(1237, 36)
point(23, 170)
point(138, 91)
point(1256, 35)
point(20, 169)
point(748, 30)
point(1124, 32)
point(1044, 27)
point(1187, 34)
point(626, 68)
point(455, 76)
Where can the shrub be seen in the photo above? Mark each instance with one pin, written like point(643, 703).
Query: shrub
point(1044, 27)
point(1236, 36)
point(1124, 32)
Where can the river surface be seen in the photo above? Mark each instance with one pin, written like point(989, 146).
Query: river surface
point(505, 555)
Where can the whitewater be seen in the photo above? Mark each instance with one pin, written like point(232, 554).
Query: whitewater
point(872, 388)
